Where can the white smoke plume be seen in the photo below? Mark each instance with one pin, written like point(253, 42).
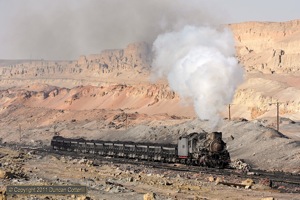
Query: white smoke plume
point(66, 29)
point(200, 65)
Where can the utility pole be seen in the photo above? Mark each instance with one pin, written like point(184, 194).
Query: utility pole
point(277, 116)
point(277, 113)
point(229, 111)
point(20, 133)
point(54, 129)
point(126, 121)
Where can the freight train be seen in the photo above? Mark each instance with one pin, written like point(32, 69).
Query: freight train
point(203, 149)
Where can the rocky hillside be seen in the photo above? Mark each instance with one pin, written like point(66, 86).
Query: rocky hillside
point(269, 52)
point(268, 47)
point(258, 95)
point(151, 99)
point(119, 65)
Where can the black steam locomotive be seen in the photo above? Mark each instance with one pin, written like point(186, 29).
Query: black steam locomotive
point(204, 149)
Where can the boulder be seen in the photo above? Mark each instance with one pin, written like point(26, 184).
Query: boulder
point(3, 174)
point(248, 182)
point(268, 198)
point(83, 198)
point(149, 196)
point(211, 179)
point(2, 194)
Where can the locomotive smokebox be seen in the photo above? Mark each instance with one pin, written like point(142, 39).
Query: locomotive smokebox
point(216, 143)
point(216, 146)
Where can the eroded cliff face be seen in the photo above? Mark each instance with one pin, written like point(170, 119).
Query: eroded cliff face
point(119, 79)
point(270, 54)
point(268, 47)
point(122, 65)
point(258, 96)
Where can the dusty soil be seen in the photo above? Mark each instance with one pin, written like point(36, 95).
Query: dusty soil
point(119, 181)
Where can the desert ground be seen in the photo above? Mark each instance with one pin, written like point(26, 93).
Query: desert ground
point(110, 96)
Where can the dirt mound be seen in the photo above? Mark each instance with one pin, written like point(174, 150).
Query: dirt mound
point(271, 134)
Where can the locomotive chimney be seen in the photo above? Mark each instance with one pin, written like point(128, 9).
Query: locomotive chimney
point(215, 135)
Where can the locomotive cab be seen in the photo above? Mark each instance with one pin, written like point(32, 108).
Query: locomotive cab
point(183, 149)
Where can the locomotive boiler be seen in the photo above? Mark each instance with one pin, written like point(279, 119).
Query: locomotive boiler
point(204, 149)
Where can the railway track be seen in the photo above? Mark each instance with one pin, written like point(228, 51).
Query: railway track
point(284, 182)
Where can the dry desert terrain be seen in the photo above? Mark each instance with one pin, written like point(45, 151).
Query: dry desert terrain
point(110, 96)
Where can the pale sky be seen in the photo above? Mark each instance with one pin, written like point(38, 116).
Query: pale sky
point(259, 10)
point(66, 29)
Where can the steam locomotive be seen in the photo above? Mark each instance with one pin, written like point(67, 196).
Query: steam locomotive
point(203, 149)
